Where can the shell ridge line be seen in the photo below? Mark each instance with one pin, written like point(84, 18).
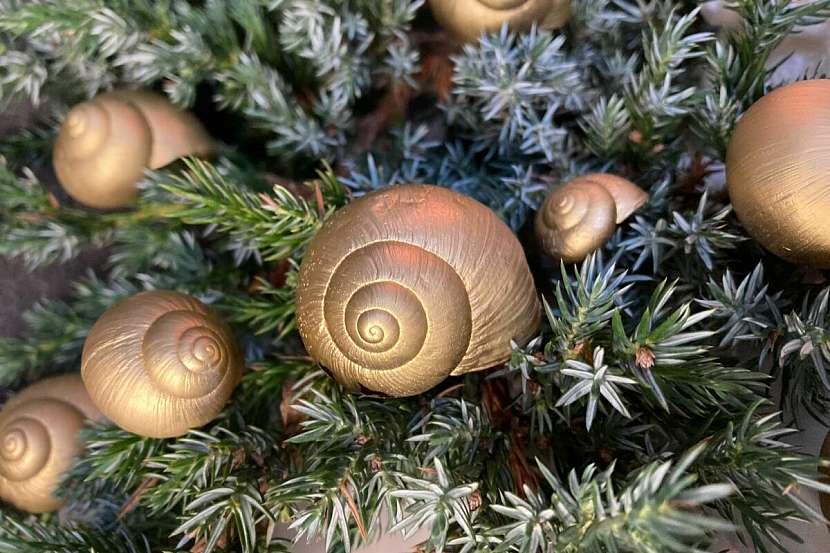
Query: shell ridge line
point(421, 345)
point(111, 342)
point(176, 363)
point(340, 261)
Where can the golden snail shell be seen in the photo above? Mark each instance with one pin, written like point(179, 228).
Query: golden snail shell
point(410, 284)
point(105, 144)
point(160, 363)
point(39, 440)
point(467, 19)
point(578, 218)
point(778, 172)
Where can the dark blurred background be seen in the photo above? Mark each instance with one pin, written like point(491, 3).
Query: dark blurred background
point(19, 288)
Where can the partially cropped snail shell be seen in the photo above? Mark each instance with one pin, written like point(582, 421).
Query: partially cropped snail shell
point(410, 284)
point(160, 363)
point(579, 217)
point(778, 172)
point(105, 144)
point(39, 440)
point(467, 19)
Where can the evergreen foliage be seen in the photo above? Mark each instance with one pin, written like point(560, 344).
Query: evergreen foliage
point(640, 419)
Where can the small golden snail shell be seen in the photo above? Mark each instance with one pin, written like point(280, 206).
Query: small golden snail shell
point(467, 19)
point(410, 284)
point(105, 144)
point(581, 216)
point(160, 363)
point(778, 172)
point(39, 440)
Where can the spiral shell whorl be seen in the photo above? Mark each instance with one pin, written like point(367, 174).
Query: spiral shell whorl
point(579, 217)
point(184, 356)
point(106, 143)
point(376, 309)
point(576, 220)
point(39, 440)
point(467, 19)
point(88, 124)
point(399, 290)
point(24, 448)
point(160, 363)
point(101, 152)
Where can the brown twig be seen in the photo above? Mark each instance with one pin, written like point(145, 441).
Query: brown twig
point(136, 496)
point(318, 196)
point(344, 489)
point(451, 389)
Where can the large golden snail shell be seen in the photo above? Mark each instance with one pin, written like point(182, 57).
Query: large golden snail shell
point(160, 363)
point(39, 440)
point(778, 172)
point(579, 217)
point(467, 19)
point(105, 144)
point(410, 284)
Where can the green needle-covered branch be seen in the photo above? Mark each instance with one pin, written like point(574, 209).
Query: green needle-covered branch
point(273, 225)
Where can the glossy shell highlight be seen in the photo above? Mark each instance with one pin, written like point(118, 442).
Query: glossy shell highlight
point(778, 172)
point(410, 284)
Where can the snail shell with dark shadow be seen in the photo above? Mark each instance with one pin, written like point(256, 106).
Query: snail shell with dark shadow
point(105, 145)
point(39, 440)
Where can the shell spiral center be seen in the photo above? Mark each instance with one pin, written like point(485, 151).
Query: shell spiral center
point(184, 356)
point(385, 323)
point(14, 445)
point(375, 325)
point(380, 305)
point(89, 126)
point(200, 350)
point(24, 448)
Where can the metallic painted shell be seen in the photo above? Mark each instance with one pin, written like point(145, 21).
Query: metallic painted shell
point(778, 172)
point(39, 440)
point(105, 144)
point(579, 217)
point(160, 363)
point(410, 284)
point(467, 19)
